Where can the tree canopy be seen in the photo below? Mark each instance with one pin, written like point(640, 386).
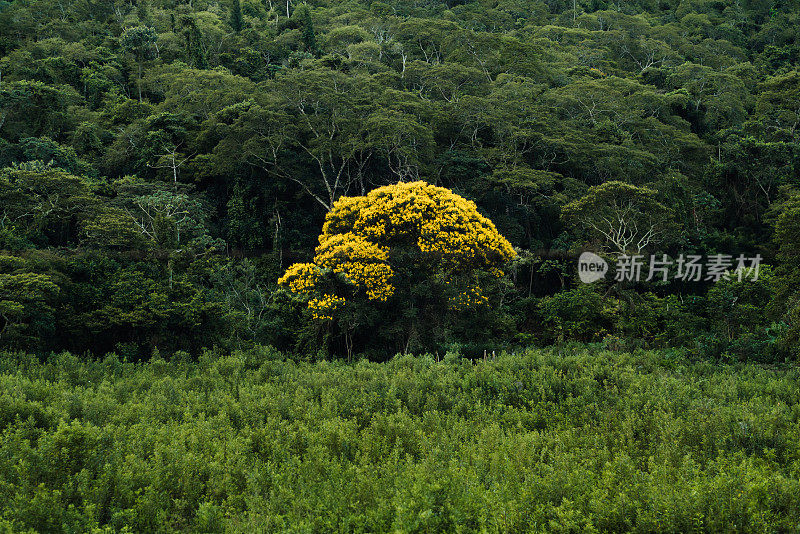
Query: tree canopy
point(197, 148)
point(414, 247)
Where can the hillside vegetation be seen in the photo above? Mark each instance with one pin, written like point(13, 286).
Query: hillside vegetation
point(163, 163)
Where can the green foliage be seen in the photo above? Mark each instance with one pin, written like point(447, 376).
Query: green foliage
point(622, 217)
point(171, 140)
point(302, 14)
point(43, 205)
point(578, 314)
point(26, 304)
point(236, 16)
point(579, 440)
point(786, 300)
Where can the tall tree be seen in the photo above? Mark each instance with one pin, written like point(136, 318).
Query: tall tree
point(140, 42)
point(236, 16)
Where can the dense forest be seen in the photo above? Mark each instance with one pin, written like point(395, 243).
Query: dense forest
point(409, 266)
point(164, 163)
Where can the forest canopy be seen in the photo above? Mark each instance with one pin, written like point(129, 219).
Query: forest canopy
point(164, 163)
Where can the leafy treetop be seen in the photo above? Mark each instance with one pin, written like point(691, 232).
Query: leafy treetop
point(374, 240)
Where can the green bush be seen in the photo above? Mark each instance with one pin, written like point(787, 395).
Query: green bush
point(581, 314)
point(568, 439)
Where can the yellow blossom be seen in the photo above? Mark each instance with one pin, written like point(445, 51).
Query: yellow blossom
point(359, 234)
point(300, 277)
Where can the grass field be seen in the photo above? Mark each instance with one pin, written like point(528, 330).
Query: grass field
point(561, 440)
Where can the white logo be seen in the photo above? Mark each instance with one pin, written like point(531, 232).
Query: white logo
point(591, 267)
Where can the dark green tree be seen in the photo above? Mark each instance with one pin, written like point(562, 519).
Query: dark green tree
point(236, 16)
point(140, 42)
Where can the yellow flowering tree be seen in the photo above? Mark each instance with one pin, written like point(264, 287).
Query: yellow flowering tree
point(404, 260)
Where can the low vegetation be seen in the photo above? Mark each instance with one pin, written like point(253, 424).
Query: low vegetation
point(566, 439)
